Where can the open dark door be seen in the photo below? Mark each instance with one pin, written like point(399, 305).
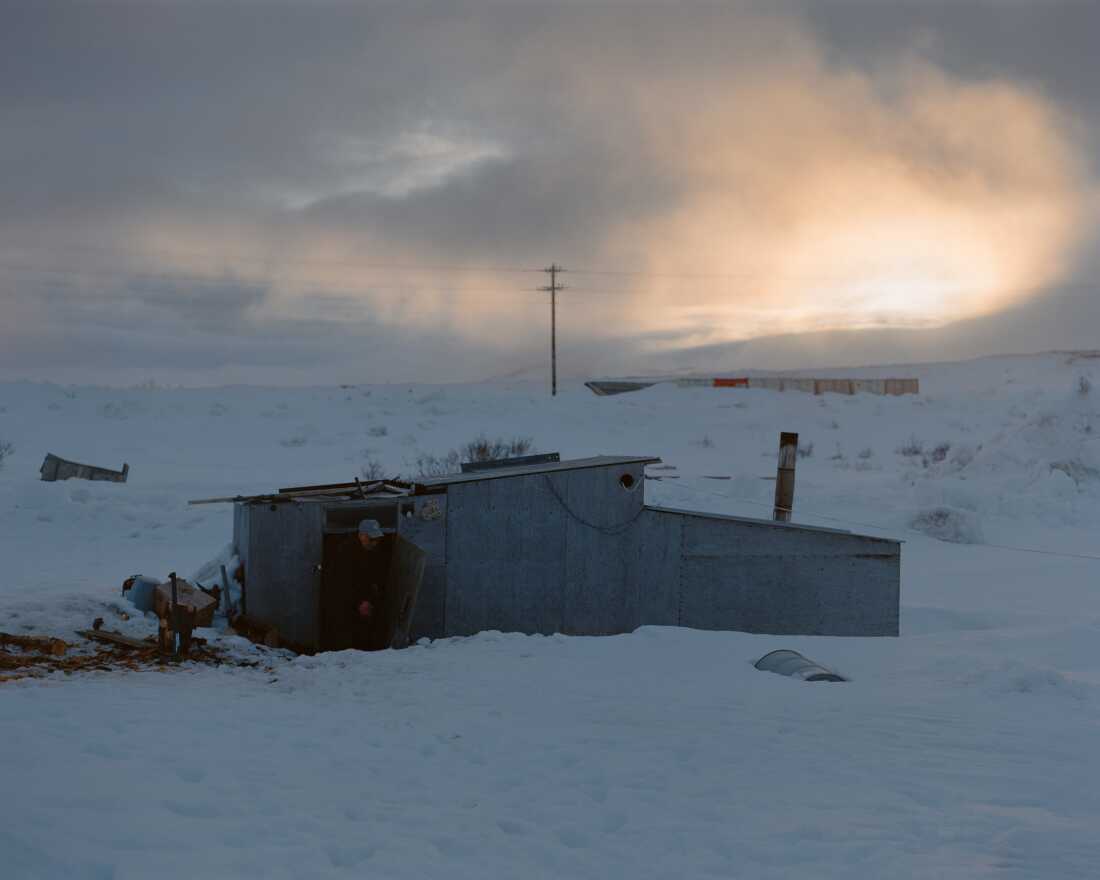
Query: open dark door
point(406, 572)
point(368, 596)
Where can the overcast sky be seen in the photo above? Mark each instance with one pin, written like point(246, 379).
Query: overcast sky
point(315, 192)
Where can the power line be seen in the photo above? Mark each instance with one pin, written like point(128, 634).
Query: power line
point(283, 260)
point(215, 281)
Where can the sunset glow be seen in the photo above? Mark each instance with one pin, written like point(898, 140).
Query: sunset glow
point(714, 178)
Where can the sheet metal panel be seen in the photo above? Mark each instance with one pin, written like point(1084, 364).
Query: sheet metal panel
point(282, 581)
point(607, 388)
point(406, 575)
point(423, 521)
point(869, 386)
point(505, 556)
point(902, 386)
point(470, 467)
point(241, 519)
point(755, 520)
point(599, 597)
point(56, 468)
point(653, 567)
point(770, 579)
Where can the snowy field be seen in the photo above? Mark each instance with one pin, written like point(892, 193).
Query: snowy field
point(965, 748)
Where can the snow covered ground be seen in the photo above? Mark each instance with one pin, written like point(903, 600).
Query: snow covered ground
point(964, 748)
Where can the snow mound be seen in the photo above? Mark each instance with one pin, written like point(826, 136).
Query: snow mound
point(1013, 678)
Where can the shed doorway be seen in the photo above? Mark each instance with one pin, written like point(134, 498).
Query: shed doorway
point(355, 594)
point(368, 588)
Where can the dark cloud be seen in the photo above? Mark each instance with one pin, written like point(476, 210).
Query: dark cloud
point(1048, 44)
point(517, 208)
point(224, 162)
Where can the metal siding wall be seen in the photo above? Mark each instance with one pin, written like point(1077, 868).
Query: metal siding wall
point(799, 384)
point(775, 579)
point(653, 566)
point(599, 595)
point(833, 386)
point(430, 534)
point(902, 386)
point(868, 386)
point(282, 582)
point(505, 557)
point(241, 519)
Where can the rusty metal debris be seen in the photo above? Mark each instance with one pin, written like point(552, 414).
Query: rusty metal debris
point(41, 644)
point(57, 468)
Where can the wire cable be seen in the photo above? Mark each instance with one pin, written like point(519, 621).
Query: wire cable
point(617, 529)
point(866, 525)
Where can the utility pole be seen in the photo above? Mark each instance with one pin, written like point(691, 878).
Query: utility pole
point(553, 289)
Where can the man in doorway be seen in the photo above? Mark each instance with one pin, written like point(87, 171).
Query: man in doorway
point(372, 619)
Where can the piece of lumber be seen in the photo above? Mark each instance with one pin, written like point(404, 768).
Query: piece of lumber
point(114, 638)
point(228, 499)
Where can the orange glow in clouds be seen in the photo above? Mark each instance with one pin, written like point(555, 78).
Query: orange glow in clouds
point(837, 207)
point(806, 199)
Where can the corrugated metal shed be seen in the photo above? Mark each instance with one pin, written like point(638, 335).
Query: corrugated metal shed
point(572, 547)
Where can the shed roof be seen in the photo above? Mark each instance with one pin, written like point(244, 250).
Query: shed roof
point(547, 467)
point(679, 511)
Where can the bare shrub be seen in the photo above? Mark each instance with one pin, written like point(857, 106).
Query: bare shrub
point(948, 524)
point(378, 431)
point(962, 456)
point(1084, 386)
point(481, 448)
point(866, 454)
point(706, 442)
point(372, 469)
point(911, 448)
point(1076, 470)
point(939, 452)
point(6, 449)
point(805, 450)
point(438, 465)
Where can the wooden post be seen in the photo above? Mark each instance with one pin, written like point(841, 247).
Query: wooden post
point(784, 477)
point(176, 613)
point(553, 270)
point(553, 332)
point(225, 592)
